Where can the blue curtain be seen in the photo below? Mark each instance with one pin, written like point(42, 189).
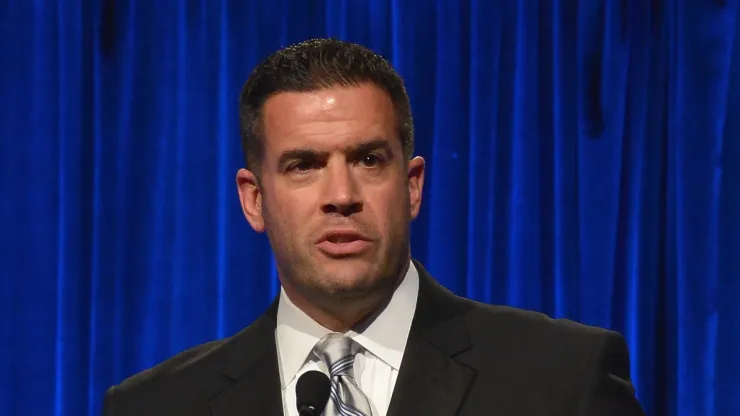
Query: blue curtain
point(584, 161)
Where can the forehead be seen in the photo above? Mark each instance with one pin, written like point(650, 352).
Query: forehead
point(330, 117)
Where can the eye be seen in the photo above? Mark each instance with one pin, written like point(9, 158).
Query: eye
point(300, 166)
point(372, 160)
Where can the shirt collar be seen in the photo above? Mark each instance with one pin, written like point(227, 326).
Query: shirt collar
point(385, 337)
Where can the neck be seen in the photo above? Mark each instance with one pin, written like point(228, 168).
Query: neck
point(341, 318)
point(341, 313)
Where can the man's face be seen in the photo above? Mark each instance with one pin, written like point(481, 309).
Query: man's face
point(336, 196)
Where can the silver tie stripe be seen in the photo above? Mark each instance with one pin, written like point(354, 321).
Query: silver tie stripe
point(338, 353)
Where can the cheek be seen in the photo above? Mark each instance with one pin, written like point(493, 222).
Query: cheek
point(391, 208)
point(291, 213)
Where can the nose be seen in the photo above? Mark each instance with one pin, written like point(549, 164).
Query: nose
point(341, 191)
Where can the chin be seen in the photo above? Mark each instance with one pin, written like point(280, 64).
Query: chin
point(351, 276)
point(350, 282)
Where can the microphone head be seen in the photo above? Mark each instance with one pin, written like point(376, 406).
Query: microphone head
point(312, 392)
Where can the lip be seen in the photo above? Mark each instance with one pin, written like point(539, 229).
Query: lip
point(351, 243)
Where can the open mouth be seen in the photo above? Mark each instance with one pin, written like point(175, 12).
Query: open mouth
point(341, 238)
point(343, 243)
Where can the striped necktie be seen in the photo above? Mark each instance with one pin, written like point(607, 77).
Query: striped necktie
point(338, 353)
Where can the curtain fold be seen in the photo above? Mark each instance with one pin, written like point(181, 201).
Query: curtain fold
point(583, 161)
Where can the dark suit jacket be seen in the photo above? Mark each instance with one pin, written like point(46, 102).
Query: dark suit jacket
point(462, 358)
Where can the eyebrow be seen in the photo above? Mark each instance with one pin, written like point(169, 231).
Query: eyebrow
point(308, 153)
point(368, 146)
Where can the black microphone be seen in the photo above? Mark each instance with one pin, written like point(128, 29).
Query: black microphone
point(312, 393)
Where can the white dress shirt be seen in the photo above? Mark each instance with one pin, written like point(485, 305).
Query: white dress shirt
point(376, 367)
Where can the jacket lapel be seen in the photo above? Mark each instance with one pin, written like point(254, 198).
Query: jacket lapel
point(433, 380)
point(251, 380)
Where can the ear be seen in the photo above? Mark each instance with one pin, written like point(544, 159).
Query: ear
point(250, 196)
point(416, 184)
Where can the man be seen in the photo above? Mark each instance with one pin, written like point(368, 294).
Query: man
point(328, 140)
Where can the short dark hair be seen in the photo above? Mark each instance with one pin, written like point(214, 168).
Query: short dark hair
point(314, 65)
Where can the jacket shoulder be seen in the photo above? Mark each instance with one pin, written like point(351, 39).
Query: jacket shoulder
point(535, 328)
point(163, 380)
point(185, 383)
point(180, 384)
point(539, 344)
point(534, 351)
point(172, 366)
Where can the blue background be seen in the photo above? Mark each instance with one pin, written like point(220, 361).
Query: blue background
point(583, 160)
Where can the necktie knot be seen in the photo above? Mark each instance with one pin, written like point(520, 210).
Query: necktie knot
point(346, 398)
point(338, 353)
